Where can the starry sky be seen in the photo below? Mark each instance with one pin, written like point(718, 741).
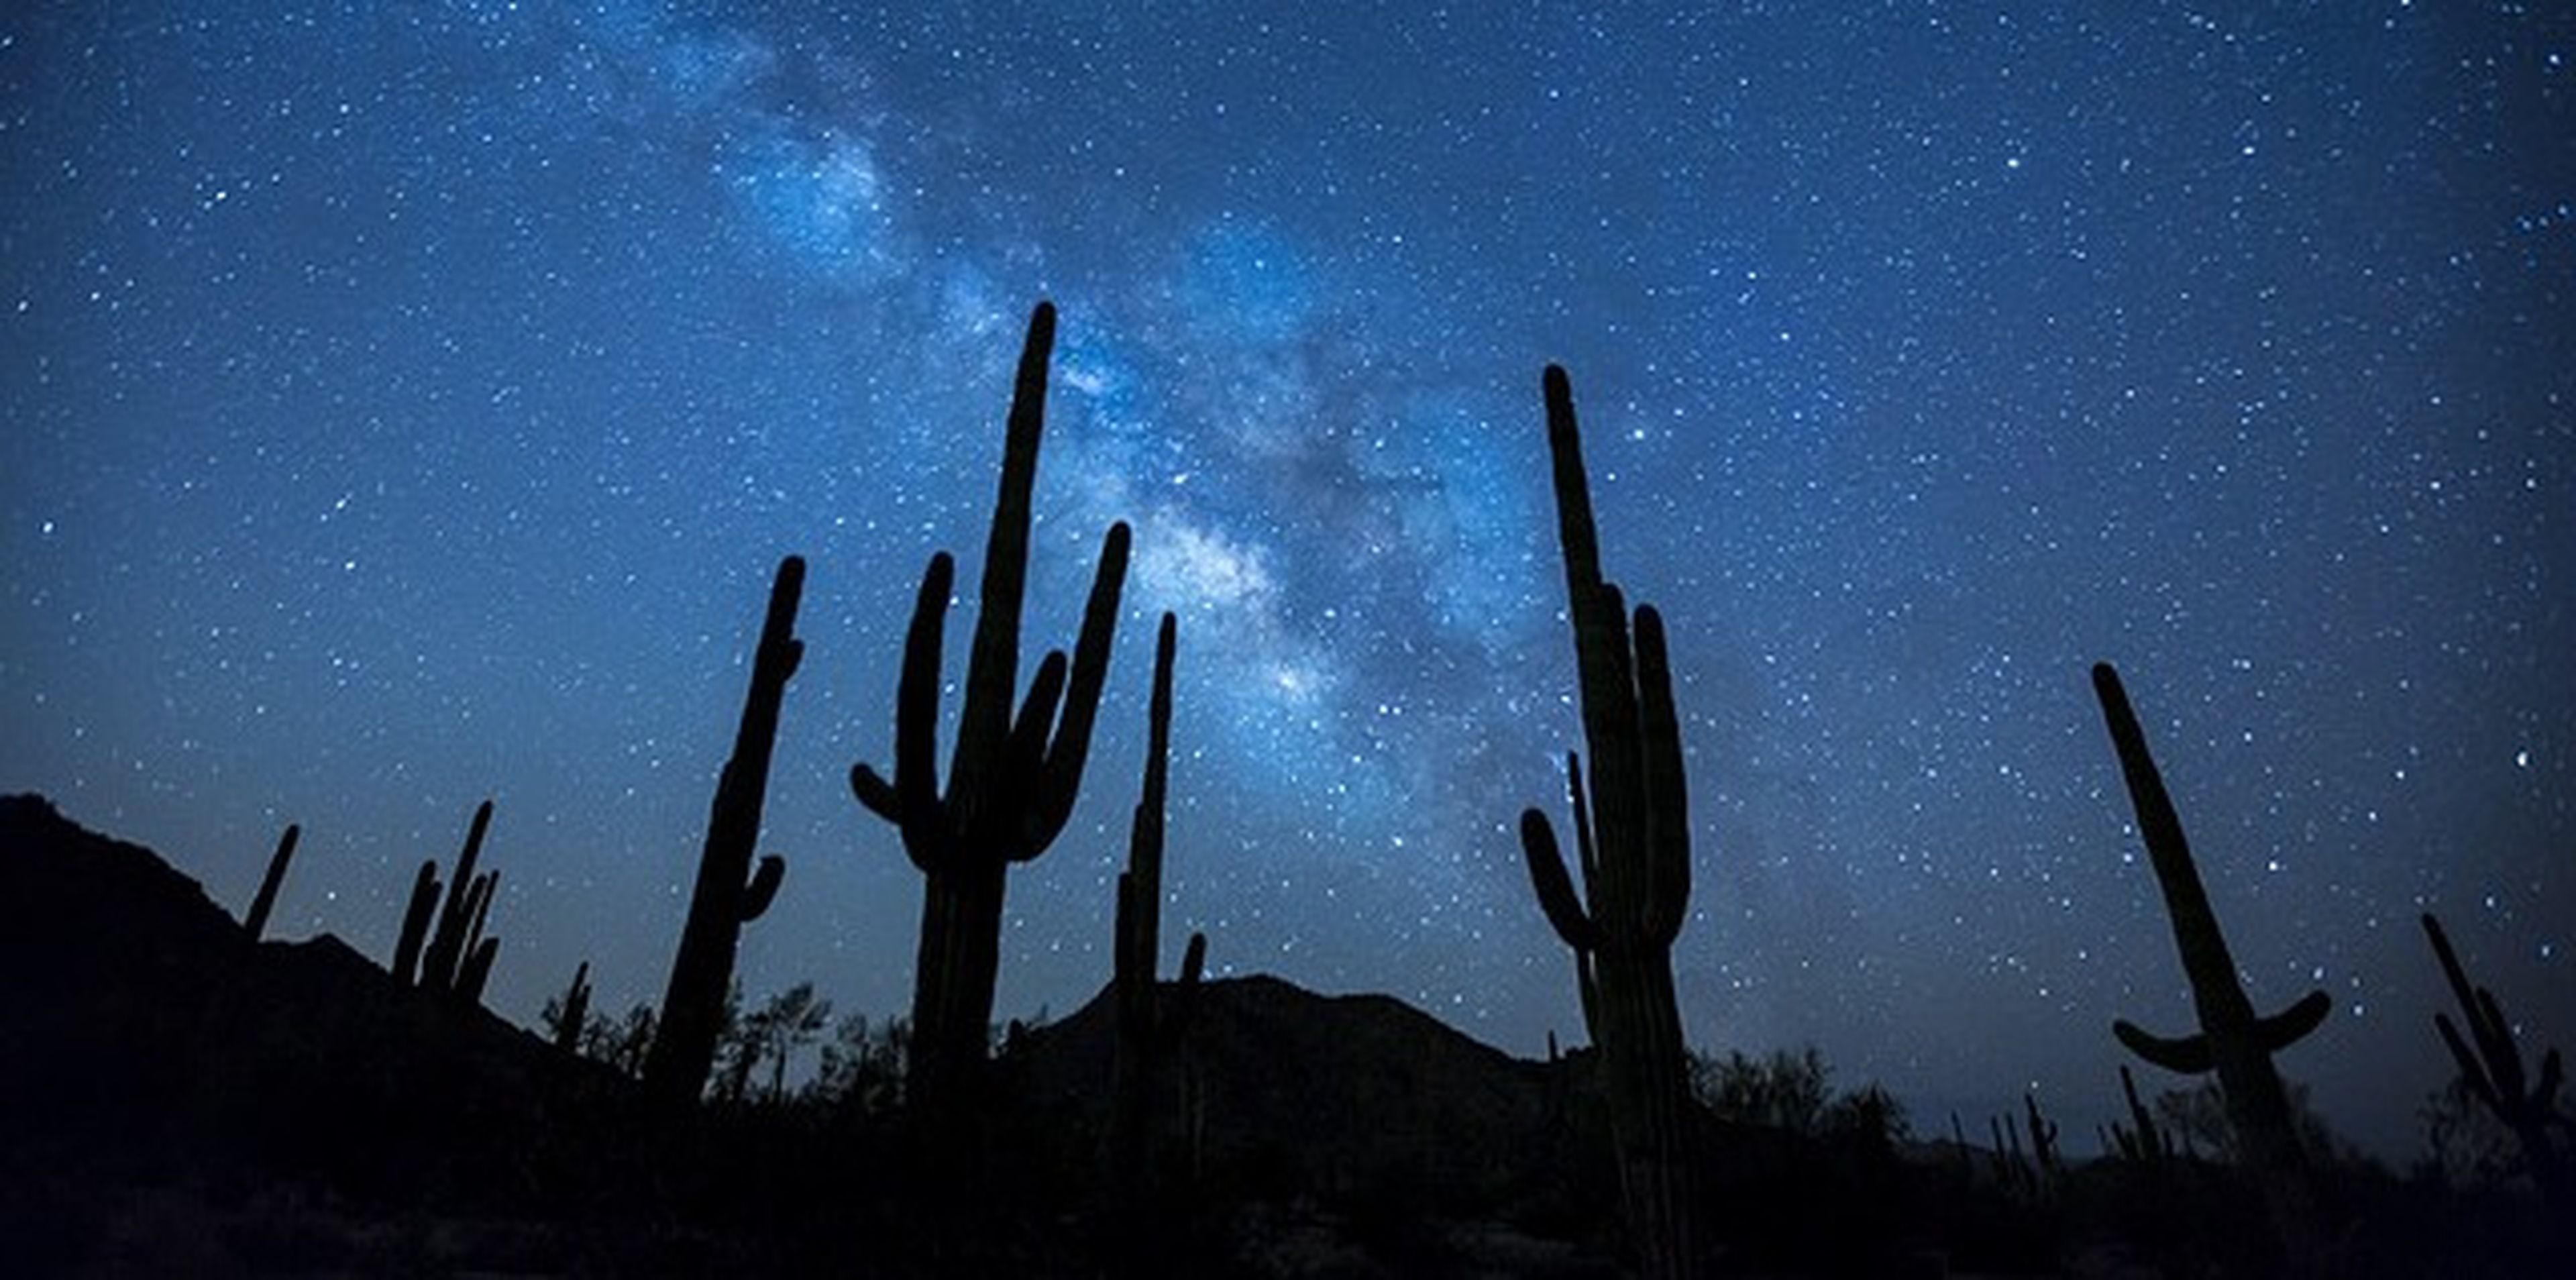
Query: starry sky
point(407, 404)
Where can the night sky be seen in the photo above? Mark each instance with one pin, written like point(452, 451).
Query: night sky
point(402, 404)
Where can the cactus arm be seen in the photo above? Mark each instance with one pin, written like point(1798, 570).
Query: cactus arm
point(2471, 1070)
point(1587, 851)
point(476, 971)
point(1666, 787)
point(1061, 776)
point(2495, 1040)
point(1026, 747)
point(2452, 972)
point(2184, 1055)
point(911, 801)
point(1556, 897)
point(2290, 1025)
point(763, 888)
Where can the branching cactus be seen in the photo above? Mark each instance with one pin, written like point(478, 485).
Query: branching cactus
point(729, 893)
point(2232, 1041)
point(1012, 781)
point(1632, 848)
point(2491, 1064)
point(455, 957)
point(1150, 1021)
point(458, 957)
point(261, 903)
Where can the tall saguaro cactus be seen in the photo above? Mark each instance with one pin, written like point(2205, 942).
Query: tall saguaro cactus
point(261, 903)
point(1149, 1025)
point(1632, 845)
point(2232, 1041)
point(1012, 781)
point(729, 893)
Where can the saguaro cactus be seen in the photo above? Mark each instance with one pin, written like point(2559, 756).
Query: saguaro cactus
point(2494, 1073)
point(2232, 1041)
point(459, 956)
point(1150, 1021)
point(1632, 844)
point(1012, 781)
point(729, 893)
point(261, 903)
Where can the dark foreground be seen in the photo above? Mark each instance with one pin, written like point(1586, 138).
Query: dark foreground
point(177, 1099)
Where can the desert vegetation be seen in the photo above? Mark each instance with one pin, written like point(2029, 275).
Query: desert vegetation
point(184, 1096)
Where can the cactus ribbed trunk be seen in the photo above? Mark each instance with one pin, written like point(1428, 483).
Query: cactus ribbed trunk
point(957, 965)
point(729, 894)
point(1632, 848)
point(1013, 778)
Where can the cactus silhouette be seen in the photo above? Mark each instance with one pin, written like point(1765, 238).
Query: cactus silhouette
point(458, 956)
point(1150, 1021)
point(255, 922)
point(574, 1015)
point(729, 893)
point(2232, 1041)
point(1632, 845)
point(2141, 1140)
point(2491, 1063)
point(415, 925)
point(2043, 1138)
point(1012, 781)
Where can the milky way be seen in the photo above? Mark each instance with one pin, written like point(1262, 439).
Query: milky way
point(401, 405)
